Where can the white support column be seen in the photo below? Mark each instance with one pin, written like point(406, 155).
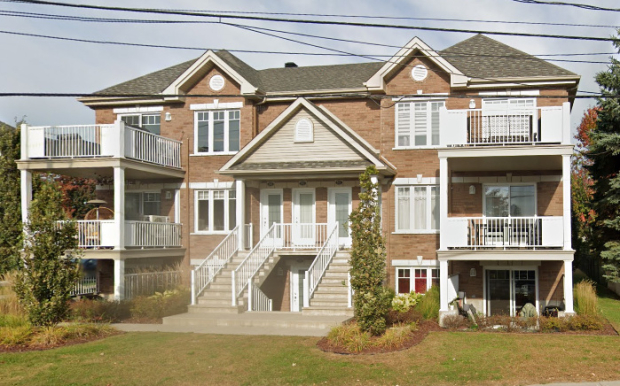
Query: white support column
point(240, 191)
point(443, 205)
point(119, 206)
point(568, 287)
point(23, 134)
point(566, 201)
point(26, 193)
point(443, 285)
point(177, 206)
point(119, 279)
point(566, 129)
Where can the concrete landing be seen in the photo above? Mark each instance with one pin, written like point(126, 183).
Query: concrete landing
point(248, 323)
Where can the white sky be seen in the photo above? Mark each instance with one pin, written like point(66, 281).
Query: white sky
point(41, 65)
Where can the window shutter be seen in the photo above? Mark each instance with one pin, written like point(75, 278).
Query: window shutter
point(303, 131)
point(403, 124)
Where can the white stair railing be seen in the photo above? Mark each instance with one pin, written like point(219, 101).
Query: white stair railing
point(252, 263)
point(315, 273)
point(204, 274)
point(257, 300)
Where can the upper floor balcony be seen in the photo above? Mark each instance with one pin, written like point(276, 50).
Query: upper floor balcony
point(99, 142)
point(501, 125)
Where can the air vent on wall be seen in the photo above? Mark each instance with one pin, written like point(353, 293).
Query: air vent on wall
point(419, 72)
point(304, 131)
point(216, 82)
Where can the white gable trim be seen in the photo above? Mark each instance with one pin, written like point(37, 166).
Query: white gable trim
point(377, 81)
point(207, 58)
point(358, 143)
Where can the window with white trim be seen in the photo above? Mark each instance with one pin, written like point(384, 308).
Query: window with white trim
point(417, 280)
point(417, 208)
point(140, 204)
point(149, 122)
point(417, 123)
point(216, 131)
point(215, 210)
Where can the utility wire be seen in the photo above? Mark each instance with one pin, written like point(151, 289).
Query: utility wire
point(589, 7)
point(119, 43)
point(221, 16)
point(115, 20)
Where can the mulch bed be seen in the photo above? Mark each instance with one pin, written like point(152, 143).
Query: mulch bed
point(413, 339)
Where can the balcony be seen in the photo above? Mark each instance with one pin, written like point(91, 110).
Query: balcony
point(104, 234)
point(491, 127)
point(99, 141)
point(475, 233)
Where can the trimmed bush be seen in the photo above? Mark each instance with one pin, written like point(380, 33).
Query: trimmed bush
point(429, 304)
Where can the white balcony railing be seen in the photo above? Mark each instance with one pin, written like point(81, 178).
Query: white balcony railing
point(300, 236)
point(146, 234)
point(257, 300)
point(505, 127)
point(97, 234)
point(99, 141)
point(504, 232)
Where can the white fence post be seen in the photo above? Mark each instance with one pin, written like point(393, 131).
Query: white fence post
point(250, 290)
point(306, 290)
point(234, 294)
point(193, 284)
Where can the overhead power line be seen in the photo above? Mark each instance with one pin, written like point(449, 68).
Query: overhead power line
point(221, 16)
point(166, 21)
point(189, 48)
point(589, 7)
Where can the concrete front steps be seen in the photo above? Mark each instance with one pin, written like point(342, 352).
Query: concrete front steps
point(331, 295)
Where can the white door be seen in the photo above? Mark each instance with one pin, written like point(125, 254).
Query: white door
point(339, 210)
point(304, 218)
point(271, 212)
point(298, 277)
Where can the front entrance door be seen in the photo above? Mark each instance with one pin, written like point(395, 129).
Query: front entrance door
point(339, 210)
point(271, 212)
point(509, 290)
point(304, 233)
point(298, 277)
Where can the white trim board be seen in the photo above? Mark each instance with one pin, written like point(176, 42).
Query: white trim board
point(135, 110)
point(216, 105)
point(504, 179)
point(416, 181)
point(415, 263)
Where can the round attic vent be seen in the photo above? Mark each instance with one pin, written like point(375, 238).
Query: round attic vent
point(419, 72)
point(216, 82)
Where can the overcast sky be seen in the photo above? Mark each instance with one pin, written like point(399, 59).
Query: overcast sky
point(32, 64)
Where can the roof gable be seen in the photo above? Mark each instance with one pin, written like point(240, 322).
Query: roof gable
point(415, 45)
point(333, 146)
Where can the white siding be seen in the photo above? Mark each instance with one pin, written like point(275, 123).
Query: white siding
point(281, 146)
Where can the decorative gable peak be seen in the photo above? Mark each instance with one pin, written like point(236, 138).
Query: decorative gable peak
point(378, 81)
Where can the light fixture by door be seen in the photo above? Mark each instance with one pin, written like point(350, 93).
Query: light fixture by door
point(472, 272)
point(338, 182)
point(270, 183)
point(302, 183)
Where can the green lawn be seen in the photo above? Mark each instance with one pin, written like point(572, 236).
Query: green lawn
point(610, 306)
point(442, 358)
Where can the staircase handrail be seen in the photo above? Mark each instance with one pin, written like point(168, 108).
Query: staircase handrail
point(252, 263)
point(257, 300)
point(317, 269)
point(204, 274)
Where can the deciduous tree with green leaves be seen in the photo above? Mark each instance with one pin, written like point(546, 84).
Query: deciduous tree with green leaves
point(371, 299)
point(605, 169)
point(50, 263)
point(10, 202)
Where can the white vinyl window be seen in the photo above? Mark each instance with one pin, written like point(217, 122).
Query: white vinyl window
point(417, 209)
point(417, 280)
point(216, 131)
point(149, 122)
point(215, 210)
point(417, 124)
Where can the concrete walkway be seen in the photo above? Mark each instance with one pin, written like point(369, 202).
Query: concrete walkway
point(247, 323)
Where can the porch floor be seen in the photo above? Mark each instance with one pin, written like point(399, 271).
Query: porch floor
point(247, 323)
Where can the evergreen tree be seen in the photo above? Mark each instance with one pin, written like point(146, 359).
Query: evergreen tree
point(605, 170)
point(10, 201)
point(50, 265)
point(371, 299)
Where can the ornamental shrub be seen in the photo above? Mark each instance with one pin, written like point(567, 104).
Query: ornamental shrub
point(429, 304)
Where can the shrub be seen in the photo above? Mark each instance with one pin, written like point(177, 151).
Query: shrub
point(349, 336)
point(403, 302)
point(99, 310)
point(586, 302)
point(584, 323)
point(429, 304)
point(455, 322)
point(161, 304)
point(393, 337)
point(372, 313)
point(395, 317)
point(15, 336)
point(9, 303)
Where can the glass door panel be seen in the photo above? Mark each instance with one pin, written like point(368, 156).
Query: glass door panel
point(498, 292)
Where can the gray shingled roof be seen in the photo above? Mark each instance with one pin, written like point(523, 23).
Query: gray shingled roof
point(483, 57)
point(476, 57)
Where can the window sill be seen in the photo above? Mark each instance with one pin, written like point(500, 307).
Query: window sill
point(213, 154)
point(420, 232)
point(418, 148)
point(213, 233)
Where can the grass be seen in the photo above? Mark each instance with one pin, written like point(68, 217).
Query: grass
point(609, 306)
point(442, 358)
